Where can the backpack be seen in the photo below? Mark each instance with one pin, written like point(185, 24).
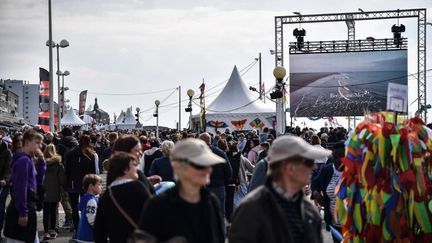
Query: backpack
point(235, 161)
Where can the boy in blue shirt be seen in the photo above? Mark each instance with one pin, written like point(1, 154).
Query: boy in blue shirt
point(88, 207)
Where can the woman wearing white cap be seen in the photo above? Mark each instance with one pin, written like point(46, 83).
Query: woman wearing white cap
point(188, 210)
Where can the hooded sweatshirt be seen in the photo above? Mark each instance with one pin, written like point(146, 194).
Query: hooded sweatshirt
point(25, 176)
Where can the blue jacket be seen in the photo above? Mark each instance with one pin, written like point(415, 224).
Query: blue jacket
point(221, 175)
point(88, 208)
point(259, 175)
point(162, 167)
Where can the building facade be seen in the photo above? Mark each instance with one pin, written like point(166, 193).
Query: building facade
point(31, 103)
point(100, 116)
point(8, 102)
point(27, 99)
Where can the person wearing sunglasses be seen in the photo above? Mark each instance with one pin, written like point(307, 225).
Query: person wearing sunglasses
point(278, 211)
point(187, 210)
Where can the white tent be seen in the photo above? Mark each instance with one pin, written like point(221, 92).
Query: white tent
point(126, 120)
point(87, 119)
point(71, 119)
point(129, 117)
point(237, 108)
point(120, 118)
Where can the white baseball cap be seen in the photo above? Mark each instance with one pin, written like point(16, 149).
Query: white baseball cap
point(287, 146)
point(195, 151)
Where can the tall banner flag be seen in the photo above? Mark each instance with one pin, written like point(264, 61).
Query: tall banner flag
point(82, 102)
point(44, 99)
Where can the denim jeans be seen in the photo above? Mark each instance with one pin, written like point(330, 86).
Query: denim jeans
point(163, 186)
point(220, 194)
point(4, 192)
point(240, 194)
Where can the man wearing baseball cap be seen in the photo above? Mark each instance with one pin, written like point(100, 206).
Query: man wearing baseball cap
point(277, 211)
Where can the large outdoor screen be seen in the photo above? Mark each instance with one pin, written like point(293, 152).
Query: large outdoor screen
point(343, 84)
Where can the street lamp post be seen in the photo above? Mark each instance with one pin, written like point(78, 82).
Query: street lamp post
point(279, 73)
point(62, 44)
point(157, 103)
point(137, 114)
point(62, 94)
point(190, 93)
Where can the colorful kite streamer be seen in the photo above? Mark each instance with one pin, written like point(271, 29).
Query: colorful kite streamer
point(257, 123)
point(385, 191)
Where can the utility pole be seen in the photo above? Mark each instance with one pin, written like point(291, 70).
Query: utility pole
point(260, 78)
point(179, 122)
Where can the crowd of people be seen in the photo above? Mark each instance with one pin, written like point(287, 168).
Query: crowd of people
point(251, 186)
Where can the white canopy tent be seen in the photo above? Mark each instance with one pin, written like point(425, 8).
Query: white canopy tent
point(87, 119)
point(126, 120)
point(237, 108)
point(71, 119)
point(120, 118)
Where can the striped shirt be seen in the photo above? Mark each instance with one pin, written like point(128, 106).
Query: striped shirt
point(331, 193)
point(292, 212)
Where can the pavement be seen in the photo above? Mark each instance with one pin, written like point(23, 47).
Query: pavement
point(65, 237)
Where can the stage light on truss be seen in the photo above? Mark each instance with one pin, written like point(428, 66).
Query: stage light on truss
point(397, 37)
point(299, 34)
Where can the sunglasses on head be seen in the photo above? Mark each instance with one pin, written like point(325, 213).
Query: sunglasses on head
point(193, 165)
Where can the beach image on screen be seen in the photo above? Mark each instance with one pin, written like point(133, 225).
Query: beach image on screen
point(343, 84)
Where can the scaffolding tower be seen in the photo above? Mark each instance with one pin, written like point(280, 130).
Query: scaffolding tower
point(350, 18)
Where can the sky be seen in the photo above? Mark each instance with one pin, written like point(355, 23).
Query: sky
point(132, 52)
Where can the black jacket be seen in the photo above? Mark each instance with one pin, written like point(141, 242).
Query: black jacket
point(319, 184)
point(5, 161)
point(77, 165)
point(149, 156)
point(222, 173)
point(259, 218)
point(165, 216)
point(110, 223)
point(65, 145)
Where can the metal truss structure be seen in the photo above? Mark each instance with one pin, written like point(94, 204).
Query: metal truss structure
point(349, 19)
point(310, 47)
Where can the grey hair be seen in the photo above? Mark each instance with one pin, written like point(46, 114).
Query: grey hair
point(166, 148)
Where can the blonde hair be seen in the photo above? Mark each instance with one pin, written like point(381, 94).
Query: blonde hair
point(50, 151)
point(166, 148)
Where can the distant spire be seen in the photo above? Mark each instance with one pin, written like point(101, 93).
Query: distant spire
point(96, 106)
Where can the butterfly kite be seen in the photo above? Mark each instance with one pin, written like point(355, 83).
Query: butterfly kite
point(239, 125)
point(217, 124)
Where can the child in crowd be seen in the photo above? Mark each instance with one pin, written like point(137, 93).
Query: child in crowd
point(55, 180)
point(92, 184)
